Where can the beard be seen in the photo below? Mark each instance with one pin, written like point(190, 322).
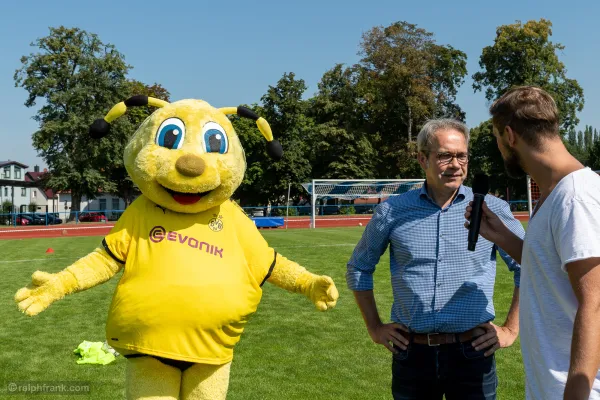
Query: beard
point(512, 165)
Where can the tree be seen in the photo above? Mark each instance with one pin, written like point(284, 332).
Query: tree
point(340, 146)
point(407, 79)
point(580, 142)
point(76, 75)
point(522, 54)
point(285, 110)
point(588, 138)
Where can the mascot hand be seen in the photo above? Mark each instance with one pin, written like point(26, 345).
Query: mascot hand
point(45, 289)
point(322, 292)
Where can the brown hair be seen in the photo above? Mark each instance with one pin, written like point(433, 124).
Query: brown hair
point(529, 111)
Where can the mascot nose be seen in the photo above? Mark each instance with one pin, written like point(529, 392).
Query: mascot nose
point(190, 165)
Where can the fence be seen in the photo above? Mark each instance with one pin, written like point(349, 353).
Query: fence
point(108, 216)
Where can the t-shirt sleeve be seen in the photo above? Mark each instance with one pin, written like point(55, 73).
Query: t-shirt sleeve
point(117, 242)
point(576, 231)
point(259, 255)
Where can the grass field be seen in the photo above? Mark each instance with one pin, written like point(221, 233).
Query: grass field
point(288, 350)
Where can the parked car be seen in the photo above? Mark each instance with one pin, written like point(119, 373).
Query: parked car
point(50, 218)
point(92, 217)
point(33, 219)
point(20, 221)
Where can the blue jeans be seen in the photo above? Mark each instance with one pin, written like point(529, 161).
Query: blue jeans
point(455, 370)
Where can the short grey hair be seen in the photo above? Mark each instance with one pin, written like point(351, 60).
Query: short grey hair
point(427, 133)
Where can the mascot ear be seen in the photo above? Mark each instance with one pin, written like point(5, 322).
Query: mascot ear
point(101, 126)
point(274, 149)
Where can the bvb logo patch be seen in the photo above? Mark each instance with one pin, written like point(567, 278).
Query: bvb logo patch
point(216, 224)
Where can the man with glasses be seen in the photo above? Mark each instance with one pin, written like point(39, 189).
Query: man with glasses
point(441, 335)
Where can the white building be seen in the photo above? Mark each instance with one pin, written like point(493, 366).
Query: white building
point(17, 186)
point(12, 188)
point(45, 200)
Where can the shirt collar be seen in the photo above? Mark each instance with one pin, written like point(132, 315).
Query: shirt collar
point(462, 192)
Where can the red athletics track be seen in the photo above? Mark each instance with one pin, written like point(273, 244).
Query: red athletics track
point(102, 229)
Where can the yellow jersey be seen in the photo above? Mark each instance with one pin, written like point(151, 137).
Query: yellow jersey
point(190, 281)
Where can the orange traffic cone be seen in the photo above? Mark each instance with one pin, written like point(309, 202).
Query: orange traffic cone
point(50, 250)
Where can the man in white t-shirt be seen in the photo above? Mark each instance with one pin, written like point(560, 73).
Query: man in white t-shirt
point(560, 256)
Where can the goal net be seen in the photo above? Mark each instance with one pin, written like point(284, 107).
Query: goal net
point(362, 194)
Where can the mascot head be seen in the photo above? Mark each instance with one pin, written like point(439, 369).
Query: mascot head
point(186, 156)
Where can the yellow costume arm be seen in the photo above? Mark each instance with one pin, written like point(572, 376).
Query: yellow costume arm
point(97, 267)
point(290, 276)
point(89, 271)
point(269, 266)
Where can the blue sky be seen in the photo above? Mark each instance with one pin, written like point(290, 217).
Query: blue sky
point(228, 53)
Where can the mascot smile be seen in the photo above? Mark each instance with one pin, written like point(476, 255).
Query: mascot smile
point(193, 263)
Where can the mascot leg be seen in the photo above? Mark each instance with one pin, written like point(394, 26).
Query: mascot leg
point(149, 379)
point(205, 382)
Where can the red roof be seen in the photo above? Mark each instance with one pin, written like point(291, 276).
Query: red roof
point(36, 176)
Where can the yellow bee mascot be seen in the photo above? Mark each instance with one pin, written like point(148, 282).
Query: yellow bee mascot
point(193, 263)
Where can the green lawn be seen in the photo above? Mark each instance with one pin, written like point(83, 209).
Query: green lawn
point(288, 350)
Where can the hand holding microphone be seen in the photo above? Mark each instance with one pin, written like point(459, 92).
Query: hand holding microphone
point(482, 221)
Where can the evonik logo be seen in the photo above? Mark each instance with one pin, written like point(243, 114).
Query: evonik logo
point(159, 233)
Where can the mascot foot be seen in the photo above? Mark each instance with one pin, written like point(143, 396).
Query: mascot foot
point(149, 379)
point(205, 382)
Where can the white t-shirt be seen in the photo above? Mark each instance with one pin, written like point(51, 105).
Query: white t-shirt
point(566, 228)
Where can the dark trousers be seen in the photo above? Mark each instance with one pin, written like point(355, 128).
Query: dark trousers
point(423, 372)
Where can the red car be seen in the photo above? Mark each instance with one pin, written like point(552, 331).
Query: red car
point(92, 217)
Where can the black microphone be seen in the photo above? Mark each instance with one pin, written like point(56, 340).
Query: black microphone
point(481, 187)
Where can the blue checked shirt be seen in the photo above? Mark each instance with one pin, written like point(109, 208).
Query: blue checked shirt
point(438, 285)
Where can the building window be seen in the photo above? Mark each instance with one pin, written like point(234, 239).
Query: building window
point(6, 191)
point(102, 204)
point(23, 192)
point(115, 204)
point(6, 172)
point(33, 194)
point(17, 173)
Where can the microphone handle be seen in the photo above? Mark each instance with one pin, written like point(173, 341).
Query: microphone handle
point(475, 220)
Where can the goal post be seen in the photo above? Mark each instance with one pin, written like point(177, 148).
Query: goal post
point(355, 189)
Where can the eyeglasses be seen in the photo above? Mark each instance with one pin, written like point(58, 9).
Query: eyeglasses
point(446, 158)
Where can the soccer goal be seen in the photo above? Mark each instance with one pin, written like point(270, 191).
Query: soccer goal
point(533, 193)
point(364, 193)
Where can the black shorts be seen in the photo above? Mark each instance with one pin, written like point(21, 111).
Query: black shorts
point(182, 365)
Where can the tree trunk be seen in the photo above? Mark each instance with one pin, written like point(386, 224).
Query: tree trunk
point(409, 125)
point(75, 205)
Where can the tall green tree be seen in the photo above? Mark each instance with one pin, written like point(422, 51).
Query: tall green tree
point(588, 138)
point(75, 74)
point(522, 54)
point(408, 79)
point(340, 145)
point(286, 112)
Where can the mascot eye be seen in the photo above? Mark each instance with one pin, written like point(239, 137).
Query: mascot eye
point(171, 133)
point(215, 139)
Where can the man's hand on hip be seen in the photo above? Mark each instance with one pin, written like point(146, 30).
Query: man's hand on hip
point(386, 334)
point(495, 337)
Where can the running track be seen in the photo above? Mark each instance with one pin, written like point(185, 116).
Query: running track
point(102, 229)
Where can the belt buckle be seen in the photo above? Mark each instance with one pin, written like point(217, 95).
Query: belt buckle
point(429, 339)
